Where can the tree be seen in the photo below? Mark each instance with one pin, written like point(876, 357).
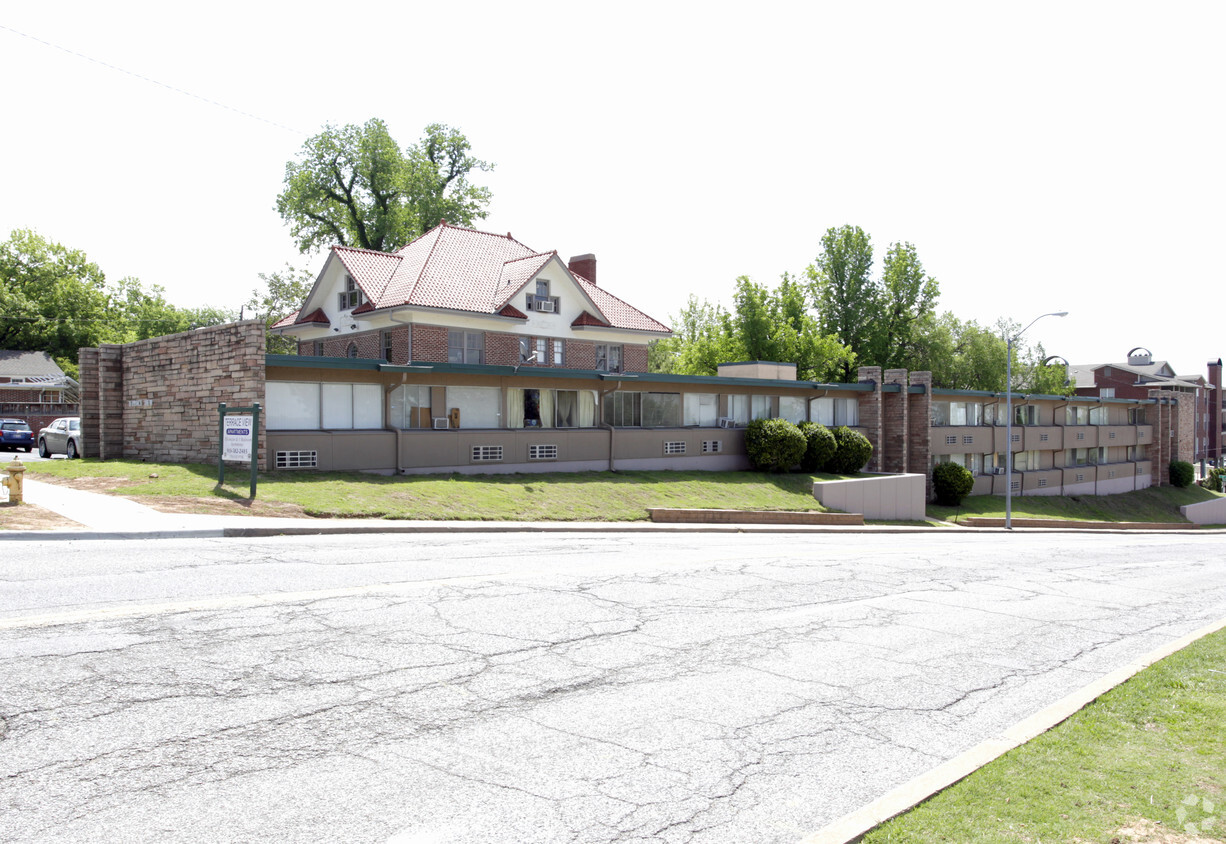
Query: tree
point(283, 294)
point(906, 297)
point(52, 298)
point(844, 292)
point(137, 313)
point(354, 186)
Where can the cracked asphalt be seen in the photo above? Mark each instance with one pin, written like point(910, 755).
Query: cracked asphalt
point(543, 688)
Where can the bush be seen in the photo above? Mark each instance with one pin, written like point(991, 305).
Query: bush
point(852, 451)
point(774, 445)
point(1214, 480)
point(951, 483)
point(819, 449)
point(1182, 473)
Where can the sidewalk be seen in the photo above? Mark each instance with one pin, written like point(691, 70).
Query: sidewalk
point(111, 517)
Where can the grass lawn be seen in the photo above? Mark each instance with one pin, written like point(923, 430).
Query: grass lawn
point(581, 496)
point(1138, 764)
point(1155, 504)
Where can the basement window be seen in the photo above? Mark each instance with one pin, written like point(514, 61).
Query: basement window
point(297, 459)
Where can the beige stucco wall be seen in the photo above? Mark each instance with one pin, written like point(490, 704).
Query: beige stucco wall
point(895, 497)
point(1206, 512)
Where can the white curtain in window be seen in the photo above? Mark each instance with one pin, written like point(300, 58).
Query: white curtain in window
point(701, 409)
point(515, 408)
point(792, 408)
point(291, 406)
point(821, 411)
point(567, 401)
point(760, 407)
point(738, 409)
point(587, 409)
point(337, 406)
point(546, 408)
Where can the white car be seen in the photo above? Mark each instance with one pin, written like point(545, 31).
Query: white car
point(63, 436)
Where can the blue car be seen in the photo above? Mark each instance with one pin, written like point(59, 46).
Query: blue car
point(15, 434)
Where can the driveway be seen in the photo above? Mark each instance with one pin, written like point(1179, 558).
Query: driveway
point(676, 688)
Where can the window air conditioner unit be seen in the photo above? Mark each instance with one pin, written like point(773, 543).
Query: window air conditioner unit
point(999, 470)
point(545, 305)
point(441, 423)
point(726, 422)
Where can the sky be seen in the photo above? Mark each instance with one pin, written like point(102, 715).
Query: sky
point(1047, 156)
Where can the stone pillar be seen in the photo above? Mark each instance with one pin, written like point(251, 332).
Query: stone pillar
point(1159, 451)
point(870, 413)
point(87, 377)
point(110, 403)
point(919, 429)
point(1183, 426)
point(894, 425)
point(1215, 409)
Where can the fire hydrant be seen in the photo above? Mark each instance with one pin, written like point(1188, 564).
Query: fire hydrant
point(13, 480)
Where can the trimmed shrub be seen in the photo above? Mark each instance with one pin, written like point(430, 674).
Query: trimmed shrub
point(819, 448)
point(951, 483)
point(1214, 480)
point(852, 451)
point(774, 445)
point(1182, 473)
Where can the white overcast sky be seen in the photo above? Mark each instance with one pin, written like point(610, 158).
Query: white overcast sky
point(1041, 156)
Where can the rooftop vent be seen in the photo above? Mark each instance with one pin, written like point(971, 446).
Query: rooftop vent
point(1140, 356)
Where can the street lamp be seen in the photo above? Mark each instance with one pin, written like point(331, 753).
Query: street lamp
point(1009, 341)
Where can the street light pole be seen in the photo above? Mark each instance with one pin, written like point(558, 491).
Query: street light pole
point(1009, 340)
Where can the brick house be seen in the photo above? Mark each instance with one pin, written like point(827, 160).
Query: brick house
point(34, 388)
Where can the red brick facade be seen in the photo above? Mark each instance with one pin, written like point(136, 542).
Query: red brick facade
point(870, 412)
point(894, 422)
point(919, 428)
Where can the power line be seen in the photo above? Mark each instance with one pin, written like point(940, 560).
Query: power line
point(153, 81)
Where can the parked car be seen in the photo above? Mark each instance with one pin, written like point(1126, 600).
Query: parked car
point(15, 434)
point(63, 436)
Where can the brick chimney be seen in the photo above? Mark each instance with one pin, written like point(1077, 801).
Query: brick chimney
point(584, 265)
point(1215, 409)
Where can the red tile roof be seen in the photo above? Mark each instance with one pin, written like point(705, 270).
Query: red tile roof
point(315, 316)
point(468, 270)
point(586, 318)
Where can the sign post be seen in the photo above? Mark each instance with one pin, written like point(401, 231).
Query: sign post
point(237, 440)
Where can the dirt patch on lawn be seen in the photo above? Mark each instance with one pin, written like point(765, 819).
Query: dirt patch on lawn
point(1147, 832)
point(31, 517)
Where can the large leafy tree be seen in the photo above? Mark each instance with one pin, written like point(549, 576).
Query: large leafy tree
point(355, 186)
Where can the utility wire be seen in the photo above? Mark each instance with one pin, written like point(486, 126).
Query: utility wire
point(153, 81)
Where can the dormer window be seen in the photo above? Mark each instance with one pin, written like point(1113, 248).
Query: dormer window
point(541, 300)
point(352, 295)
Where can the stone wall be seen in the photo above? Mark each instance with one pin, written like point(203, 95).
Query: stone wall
point(156, 399)
point(870, 412)
point(894, 423)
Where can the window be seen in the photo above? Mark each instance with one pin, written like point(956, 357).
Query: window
point(1077, 457)
point(1076, 415)
point(1026, 414)
point(1098, 416)
point(700, 409)
point(760, 407)
point(1099, 455)
point(674, 447)
point(542, 351)
point(479, 407)
point(1026, 461)
point(792, 408)
point(352, 351)
point(738, 409)
point(1136, 416)
point(486, 453)
point(648, 410)
point(973, 462)
point(465, 346)
point(1107, 392)
point(542, 452)
point(410, 407)
point(608, 358)
point(833, 412)
point(534, 350)
point(318, 348)
point(540, 408)
point(303, 406)
point(525, 349)
point(351, 295)
point(387, 345)
point(623, 409)
point(540, 300)
point(956, 413)
point(559, 353)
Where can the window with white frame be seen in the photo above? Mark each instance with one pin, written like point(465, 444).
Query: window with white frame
point(559, 352)
point(409, 407)
point(480, 407)
point(700, 410)
point(465, 346)
point(351, 295)
point(540, 300)
point(386, 336)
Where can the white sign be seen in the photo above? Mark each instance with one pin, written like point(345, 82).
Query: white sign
point(237, 439)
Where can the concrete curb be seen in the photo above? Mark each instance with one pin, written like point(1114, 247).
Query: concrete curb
point(852, 827)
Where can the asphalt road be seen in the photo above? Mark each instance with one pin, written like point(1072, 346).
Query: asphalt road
point(504, 688)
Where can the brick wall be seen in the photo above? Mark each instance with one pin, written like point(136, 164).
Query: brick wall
point(501, 349)
point(919, 429)
point(634, 358)
point(870, 412)
point(430, 343)
point(580, 354)
point(156, 399)
point(894, 423)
